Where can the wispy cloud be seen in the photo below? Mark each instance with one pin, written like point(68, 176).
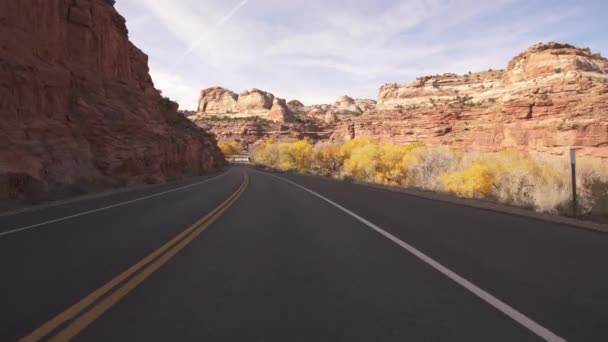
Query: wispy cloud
point(316, 50)
point(211, 30)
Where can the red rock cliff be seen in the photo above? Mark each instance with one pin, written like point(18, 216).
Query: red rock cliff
point(78, 107)
point(551, 97)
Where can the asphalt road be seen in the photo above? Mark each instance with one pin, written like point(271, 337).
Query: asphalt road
point(252, 256)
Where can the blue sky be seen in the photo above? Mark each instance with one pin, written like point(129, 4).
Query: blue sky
point(318, 50)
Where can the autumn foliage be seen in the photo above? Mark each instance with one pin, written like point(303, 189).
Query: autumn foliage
point(508, 177)
point(229, 148)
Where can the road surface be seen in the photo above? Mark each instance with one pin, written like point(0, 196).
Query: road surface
point(252, 256)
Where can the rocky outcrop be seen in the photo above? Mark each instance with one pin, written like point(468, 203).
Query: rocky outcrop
point(346, 104)
point(330, 118)
point(217, 100)
point(280, 112)
point(295, 104)
point(79, 109)
point(254, 101)
point(254, 120)
point(317, 112)
point(553, 58)
point(251, 103)
point(365, 105)
point(250, 131)
point(551, 97)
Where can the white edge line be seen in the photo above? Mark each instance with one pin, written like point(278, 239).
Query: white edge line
point(17, 230)
point(517, 316)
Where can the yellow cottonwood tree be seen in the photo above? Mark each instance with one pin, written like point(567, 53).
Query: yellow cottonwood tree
point(474, 182)
point(329, 158)
point(297, 155)
point(229, 148)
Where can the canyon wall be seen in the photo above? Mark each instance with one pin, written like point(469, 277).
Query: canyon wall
point(551, 97)
point(78, 108)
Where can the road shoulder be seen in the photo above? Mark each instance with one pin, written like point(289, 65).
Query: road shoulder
point(474, 203)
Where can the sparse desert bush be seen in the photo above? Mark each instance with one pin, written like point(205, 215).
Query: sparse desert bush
point(431, 164)
point(535, 182)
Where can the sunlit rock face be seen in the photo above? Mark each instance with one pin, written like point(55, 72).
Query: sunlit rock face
point(280, 112)
point(255, 101)
point(551, 97)
point(217, 100)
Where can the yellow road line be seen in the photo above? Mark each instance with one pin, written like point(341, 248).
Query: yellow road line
point(166, 251)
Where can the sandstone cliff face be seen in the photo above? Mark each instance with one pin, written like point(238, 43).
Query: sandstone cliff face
point(252, 131)
point(254, 102)
point(344, 108)
point(78, 106)
point(260, 115)
point(549, 98)
point(280, 112)
point(349, 105)
point(217, 100)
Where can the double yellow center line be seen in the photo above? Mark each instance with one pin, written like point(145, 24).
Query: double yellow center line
point(83, 313)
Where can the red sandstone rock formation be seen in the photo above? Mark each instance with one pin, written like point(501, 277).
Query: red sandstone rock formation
point(217, 100)
point(254, 119)
point(78, 106)
point(344, 106)
point(251, 103)
point(280, 112)
point(221, 102)
point(551, 97)
point(254, 101)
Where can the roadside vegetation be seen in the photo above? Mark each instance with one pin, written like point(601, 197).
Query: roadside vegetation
point(542, 184)
point(229, 148)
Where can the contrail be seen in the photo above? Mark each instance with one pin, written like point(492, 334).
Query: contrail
point(219, 23)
